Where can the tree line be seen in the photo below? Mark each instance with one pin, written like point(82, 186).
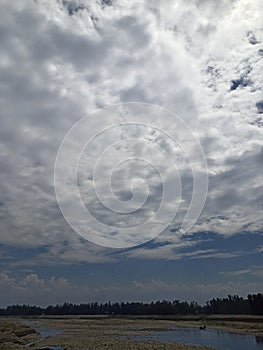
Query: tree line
point(252, 305)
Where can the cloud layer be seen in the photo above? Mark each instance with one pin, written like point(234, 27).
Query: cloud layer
point(61, 60)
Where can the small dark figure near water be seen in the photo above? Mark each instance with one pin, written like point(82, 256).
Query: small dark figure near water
point(202, 327)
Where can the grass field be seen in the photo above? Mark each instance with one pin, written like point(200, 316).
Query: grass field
point(84, 333)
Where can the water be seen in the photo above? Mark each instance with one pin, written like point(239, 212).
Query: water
point(44, 332)
point(217, 339)
point(47, 332)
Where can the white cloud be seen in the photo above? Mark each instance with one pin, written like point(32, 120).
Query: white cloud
point(33, 289)
point(57, 67)
point(201, 292)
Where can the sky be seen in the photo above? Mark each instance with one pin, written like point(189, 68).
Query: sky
point(152, 110)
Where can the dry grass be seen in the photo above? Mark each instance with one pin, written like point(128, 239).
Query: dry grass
point(14, 335)
point(104, 333)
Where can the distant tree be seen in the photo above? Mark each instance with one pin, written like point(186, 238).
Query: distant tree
point(235, 304)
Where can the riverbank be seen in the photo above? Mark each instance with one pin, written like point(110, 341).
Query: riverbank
point(242, 324)
point(98, 332)
point(14, 335)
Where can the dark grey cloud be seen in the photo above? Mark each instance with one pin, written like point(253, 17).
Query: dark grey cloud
point(259, 106)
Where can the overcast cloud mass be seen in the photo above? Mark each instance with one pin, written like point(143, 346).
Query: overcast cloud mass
point(61, 60)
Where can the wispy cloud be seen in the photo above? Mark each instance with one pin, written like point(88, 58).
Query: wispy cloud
point(254, 271)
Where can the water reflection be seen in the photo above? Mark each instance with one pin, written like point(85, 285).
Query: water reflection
point(215, 338)
point(259, 339)
point(44, 333)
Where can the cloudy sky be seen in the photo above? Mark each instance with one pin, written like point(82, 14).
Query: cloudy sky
point(193, 72)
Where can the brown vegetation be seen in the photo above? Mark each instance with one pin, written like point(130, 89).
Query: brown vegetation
point(14, 335)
